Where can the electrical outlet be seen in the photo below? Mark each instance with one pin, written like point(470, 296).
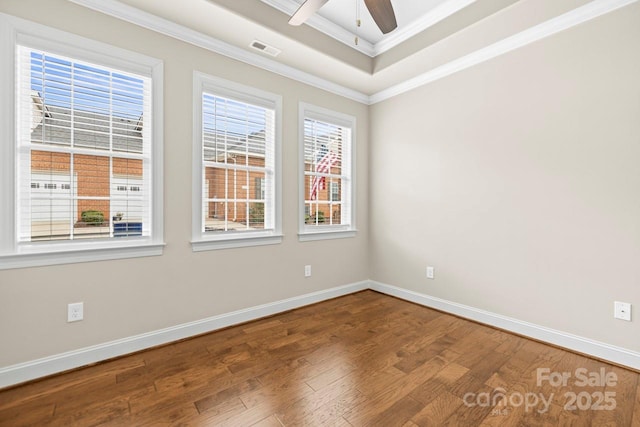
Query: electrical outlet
point(622, 310)
point(430, 272)
point(307, 271)
point(75, 312)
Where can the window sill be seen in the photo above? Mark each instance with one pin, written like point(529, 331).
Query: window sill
point(73, 255)
point(230, 242)
point(309, 236)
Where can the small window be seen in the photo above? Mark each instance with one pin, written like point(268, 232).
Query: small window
point(134, 188)
point(260, 190)
point(48, 186)
point(35, 185)
point(326, 149)
point(335, 191)
point(121, 188)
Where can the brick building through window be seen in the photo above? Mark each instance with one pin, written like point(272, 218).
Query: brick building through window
point(64, 185)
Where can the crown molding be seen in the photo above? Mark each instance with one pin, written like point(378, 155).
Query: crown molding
point(550, 27)
point(560, 23)
point(152, 22)
point(436, 15)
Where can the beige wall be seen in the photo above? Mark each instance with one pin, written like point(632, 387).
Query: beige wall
point(523, 183)
point(517, 179)
point(128, 297)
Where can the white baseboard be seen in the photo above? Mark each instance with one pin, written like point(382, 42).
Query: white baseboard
point(27, 371)
point(19, 373)
point(618, 355)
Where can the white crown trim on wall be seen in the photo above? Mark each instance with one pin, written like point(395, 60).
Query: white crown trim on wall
point(548, 28)
point(570, 19)
point(436, 15)
point(163, 26)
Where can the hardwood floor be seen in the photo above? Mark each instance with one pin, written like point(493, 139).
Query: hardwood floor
point(361, 360)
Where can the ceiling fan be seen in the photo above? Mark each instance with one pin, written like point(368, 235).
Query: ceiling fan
point(381, 11)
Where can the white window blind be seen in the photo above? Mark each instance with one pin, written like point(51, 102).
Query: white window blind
point(238, 164)
point(84, 150)
point(327, 174)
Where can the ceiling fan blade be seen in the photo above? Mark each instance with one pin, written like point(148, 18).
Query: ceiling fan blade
point(305, 10)
point(382, 13)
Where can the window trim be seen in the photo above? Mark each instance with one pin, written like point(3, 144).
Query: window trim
point(201, 241)
point(15, 31)
point(311, 233)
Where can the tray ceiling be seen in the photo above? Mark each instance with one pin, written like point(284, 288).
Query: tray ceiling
point(434, 38)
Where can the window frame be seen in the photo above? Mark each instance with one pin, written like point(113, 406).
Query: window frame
point(308, 232)
point(201, 240)
point(13, 254)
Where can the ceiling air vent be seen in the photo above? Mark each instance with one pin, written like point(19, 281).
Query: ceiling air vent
point(264, 48)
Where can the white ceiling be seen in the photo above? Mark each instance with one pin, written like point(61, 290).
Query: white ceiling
point(343, 13)
point(337, 19)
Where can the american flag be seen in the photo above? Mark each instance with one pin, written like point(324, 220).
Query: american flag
point(323, 165)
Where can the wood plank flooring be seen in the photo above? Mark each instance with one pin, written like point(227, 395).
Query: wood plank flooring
point(361, 360)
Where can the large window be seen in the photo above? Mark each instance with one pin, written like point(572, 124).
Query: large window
point(83, 139)
point(85, 153)
point(326, 149)
point(236, 156)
